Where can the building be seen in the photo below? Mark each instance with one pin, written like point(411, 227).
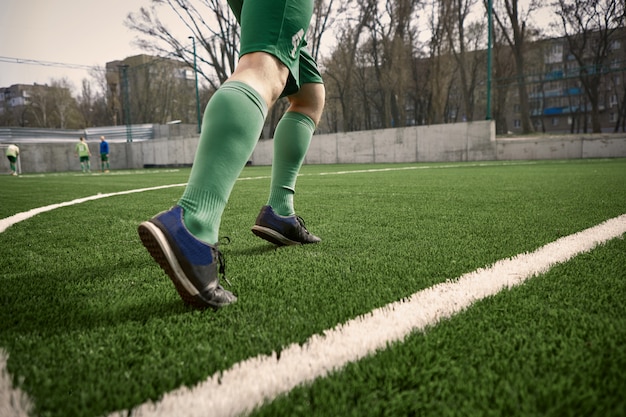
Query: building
point(562, 78)
point(561, 95)
point(149, 89)
point(37, 105)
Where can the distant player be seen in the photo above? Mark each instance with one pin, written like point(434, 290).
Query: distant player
point(83, 153)
point(104, 155)
point(12, 153)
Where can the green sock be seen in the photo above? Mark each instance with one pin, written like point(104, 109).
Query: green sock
point(232, 123)
point(291, 142)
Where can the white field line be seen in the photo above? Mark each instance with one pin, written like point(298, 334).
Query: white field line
point(13, 401)
point(16, 218)
point(250, 383)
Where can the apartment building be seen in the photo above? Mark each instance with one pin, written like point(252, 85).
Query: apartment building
point(36, 105)
point(560, 87)
point(150, 89)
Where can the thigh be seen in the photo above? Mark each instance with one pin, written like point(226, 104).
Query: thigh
point(276, 27)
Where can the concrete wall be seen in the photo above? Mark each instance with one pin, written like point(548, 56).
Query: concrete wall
point(473, 141)
point(562, 147)
point(450, 142)
point(163, 152)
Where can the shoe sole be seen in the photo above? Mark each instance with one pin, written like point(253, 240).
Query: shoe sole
point(273, 236)
point(159, 248)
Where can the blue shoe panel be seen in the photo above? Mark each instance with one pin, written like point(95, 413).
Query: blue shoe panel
point(193, 250)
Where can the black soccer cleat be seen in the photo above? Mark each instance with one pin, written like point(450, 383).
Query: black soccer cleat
point(282, 230)
point(193, 266)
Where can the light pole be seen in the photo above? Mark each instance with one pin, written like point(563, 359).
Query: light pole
point(126, 103)
point(489, 55)
point(195, 70)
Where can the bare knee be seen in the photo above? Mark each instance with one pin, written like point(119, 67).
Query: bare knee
point(309, 100)
point(263, 72)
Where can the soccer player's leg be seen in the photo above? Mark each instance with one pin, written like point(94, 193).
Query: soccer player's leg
point(12, 165)
point(277, 221)
point(291, 142)
point(183, 240)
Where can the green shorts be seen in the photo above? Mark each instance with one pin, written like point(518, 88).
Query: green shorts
point(12, 159)
point(104, 157)
point(278, 27)
point(84, 159)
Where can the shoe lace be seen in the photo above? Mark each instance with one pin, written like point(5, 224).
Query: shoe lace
point(221, 261)
point(301, 221)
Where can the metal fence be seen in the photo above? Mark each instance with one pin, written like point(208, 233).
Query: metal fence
point(112, 134)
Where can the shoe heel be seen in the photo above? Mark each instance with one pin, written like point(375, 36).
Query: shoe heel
point(151, 243)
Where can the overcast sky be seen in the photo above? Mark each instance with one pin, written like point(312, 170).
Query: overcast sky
point(82, 32)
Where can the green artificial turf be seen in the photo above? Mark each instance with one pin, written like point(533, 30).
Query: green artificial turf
point(92, 325)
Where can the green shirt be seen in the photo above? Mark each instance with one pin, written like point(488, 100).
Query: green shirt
point(82, 149)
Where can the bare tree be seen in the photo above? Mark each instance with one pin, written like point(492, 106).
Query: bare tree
point(390, 49)
point(503, 72)
point(339, 75)
point(41, 106)
point(64, 109)
point(464, 38)
point(161, 92)
point(324, 13)
point(85, 104)
point(210, 22)
point(99, 113)
point(589, 27)
point(512, 20)
point(441, 68)
point(341, 65)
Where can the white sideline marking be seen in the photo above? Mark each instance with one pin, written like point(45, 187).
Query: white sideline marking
point(250, 383)
point(13, 401)
point(16, 218)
